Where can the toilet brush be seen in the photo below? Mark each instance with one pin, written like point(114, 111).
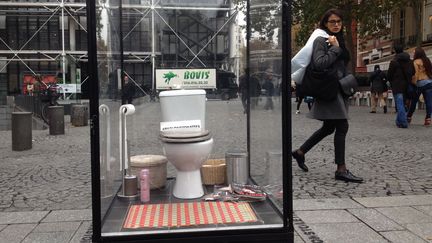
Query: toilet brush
point(129, 186)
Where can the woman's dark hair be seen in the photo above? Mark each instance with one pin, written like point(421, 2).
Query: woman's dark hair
point(419, 53)
point(340, 36)
point(327, 15)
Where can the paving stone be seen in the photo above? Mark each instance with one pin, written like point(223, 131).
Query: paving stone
point(326, 216)
point(402, 237)
point(375, 220)
point(69, 215)
point(424, 209)
point(424, 230)
point(298, 239)
point(405, 215)
point(22, 217)
point(347, 232)
point(57, 226)
point(325, 203)
point(48, 237)
point(15, 232)
point(395, 201)
point(2, 226)
point(77, 238)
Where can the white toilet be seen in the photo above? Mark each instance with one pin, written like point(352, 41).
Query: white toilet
point(185, 140)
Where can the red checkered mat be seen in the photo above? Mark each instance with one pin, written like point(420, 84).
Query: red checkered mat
point(188, 214)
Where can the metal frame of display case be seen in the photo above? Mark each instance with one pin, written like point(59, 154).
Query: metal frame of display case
point(283, 234)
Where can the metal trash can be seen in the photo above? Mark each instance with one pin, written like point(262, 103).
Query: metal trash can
point(56, 120)
point(273, 172)
point(237, 167)
point(21, 131)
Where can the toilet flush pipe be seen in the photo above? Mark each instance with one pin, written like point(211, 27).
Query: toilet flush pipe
point(124, 111)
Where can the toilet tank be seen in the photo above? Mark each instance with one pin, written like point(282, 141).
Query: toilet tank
point(182, 105)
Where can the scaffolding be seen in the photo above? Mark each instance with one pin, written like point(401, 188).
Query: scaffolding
point(169, 33)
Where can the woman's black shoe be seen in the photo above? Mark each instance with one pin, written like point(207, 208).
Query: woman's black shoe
point(300, 161)
point(348, 177)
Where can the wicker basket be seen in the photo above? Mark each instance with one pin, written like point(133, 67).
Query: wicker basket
point(213, 172)
point(157, 166)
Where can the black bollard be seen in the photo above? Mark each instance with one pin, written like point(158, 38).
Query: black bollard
point(56, 120)
point(21, 131)
point(79, 115)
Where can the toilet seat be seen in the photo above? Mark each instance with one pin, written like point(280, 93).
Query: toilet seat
point(185, 137)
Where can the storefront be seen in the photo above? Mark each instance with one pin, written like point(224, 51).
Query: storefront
point(182, 168)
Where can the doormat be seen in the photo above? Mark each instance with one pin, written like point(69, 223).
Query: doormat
point(188, 214)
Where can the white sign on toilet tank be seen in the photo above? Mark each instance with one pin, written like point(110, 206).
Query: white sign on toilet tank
point(193, 78)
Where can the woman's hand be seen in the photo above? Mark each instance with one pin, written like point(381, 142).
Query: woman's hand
point(332, 40)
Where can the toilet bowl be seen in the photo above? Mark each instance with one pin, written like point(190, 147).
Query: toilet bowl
point(187, 146)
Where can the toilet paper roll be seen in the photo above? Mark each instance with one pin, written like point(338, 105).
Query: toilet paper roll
point(127, 109)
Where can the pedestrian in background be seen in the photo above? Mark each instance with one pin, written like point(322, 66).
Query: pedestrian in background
point(243, 90)
point(422, 80)
point(254, 91)
point(328, 53)
point(249, 91)
point(128, 91)
point(399, 74)
point(269, 90)
point(378, 83)
point(307, 99)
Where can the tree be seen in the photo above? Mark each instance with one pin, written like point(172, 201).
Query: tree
point(265, 17)
point(366, 18)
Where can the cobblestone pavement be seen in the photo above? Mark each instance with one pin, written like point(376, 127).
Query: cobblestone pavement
point(393, 161)
point(55, 173)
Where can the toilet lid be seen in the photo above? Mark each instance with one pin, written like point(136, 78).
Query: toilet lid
point(185, 137)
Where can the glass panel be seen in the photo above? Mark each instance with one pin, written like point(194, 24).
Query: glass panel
point(266, 103)
point(183, 63)
point(109, 72)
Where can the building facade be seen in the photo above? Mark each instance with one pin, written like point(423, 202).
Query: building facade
point(49, 38)
point(403, 30)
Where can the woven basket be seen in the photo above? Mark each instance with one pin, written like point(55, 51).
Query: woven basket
point(157, 166)
point(213, 172)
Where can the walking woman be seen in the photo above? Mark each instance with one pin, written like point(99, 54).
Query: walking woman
point(422, 79)
point(328, 53)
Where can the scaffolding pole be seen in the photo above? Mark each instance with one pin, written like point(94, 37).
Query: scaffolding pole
point(63, 48)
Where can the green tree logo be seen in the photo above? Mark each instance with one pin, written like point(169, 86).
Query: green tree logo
point(168, 76)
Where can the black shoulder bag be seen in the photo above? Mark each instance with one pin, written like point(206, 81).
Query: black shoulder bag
point(321, 85)
point(348, 85)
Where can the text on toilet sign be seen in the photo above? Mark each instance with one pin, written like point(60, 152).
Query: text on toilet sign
point(181, 126)
point(193, 78)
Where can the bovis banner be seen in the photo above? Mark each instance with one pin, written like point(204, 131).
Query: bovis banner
point(194, 78)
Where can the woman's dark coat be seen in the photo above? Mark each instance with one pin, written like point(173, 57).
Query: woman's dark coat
point(325, 56)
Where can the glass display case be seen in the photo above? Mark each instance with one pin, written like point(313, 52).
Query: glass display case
point(190, 120)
